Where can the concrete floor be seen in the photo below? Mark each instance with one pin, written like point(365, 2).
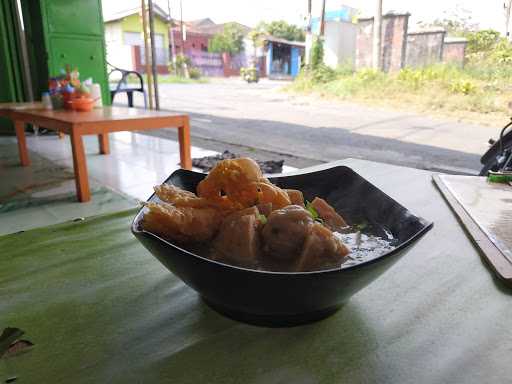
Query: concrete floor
point(232, 112)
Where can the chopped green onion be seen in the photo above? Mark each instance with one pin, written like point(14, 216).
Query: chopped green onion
point(312, 211)
point(262, 218)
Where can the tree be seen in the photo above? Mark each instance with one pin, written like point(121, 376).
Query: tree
point(457, 22)
point(230, 40)
point(256, 36)
point(283, 30)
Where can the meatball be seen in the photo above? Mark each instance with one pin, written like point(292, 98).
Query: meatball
point(322, 250)
point(238, 242)
point(285, 232)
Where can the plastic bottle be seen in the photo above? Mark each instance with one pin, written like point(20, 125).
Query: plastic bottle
point(96, 95)
point(46, 100)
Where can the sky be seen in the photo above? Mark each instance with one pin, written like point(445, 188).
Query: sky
point(487, 13)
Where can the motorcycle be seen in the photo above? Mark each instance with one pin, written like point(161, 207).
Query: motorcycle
point(498, 158)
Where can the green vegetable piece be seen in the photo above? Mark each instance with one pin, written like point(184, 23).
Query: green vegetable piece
point(262, 218)
point(313, 212)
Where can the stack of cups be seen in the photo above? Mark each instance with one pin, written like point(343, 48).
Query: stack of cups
point(96, 95)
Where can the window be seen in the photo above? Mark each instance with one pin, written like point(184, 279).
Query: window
point(135, 38)
point(132, 38)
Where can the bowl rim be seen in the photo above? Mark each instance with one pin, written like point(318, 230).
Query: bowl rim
point(427, 225)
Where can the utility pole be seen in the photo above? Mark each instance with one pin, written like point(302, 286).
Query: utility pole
point(322, 19)
point(183, 38)
point(377, 36)
point(309, 35)
point(147, 55)
point(507, 5)
point(171, 37)
point(153, 52)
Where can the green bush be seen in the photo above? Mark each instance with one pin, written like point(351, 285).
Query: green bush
point(181, 61)
point(323, 74)
point(411, 78)
point(194, 73)
point(465, 87)
point(367, 75)
point(317, 53)
point(230, 40)
point(487, 49)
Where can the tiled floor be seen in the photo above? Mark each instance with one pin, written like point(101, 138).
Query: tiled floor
point(135, 164)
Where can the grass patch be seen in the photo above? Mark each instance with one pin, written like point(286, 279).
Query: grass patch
point(473, 93)
point(168, 79)
point(172, 79)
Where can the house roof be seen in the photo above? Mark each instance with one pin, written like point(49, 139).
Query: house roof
point(284, 41)
point(217, 28)
point(205, 26)
point(200, 23)
point(115, 16)
point(386, 15)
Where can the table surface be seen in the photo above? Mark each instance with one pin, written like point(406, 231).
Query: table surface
point(20, 106)
point(99, 308)
point(104, 114)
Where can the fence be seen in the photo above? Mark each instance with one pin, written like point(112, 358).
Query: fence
point(210, 64)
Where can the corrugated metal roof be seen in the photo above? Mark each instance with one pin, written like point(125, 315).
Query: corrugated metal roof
point(284, 41)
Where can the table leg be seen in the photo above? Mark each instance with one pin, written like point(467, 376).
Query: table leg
point(184, 140)
point(80, 166)
point(22, 142)
point(104, 143)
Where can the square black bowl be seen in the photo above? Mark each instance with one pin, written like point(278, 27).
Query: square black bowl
point(292, 298)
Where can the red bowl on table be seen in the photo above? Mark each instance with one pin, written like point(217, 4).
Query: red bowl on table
point(82, 104)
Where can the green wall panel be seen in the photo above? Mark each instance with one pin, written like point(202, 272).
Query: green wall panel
point(86, 54)
point(76, 16)
point(64, 32)
point(11, 83)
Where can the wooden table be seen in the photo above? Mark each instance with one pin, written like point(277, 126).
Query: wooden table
point(101, 309)
point(97, 122)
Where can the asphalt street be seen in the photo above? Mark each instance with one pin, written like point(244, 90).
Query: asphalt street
point(263, 119)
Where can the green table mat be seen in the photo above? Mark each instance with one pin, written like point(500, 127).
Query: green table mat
point(100, 309)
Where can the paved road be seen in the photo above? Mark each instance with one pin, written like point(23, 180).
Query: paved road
point(264, 117)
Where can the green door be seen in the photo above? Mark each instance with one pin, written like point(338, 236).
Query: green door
point(73, 34)
point(84, 53)
point(79, 17)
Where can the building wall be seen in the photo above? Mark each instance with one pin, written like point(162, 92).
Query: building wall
point(118, 54)
point(113, 32)
point(340, 43)
point(194, 41)
point(454, 52)
point(394, 42)
point(424, 48)
point(133, 23)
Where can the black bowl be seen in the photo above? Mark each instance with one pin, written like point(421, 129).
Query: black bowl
point(291, 298)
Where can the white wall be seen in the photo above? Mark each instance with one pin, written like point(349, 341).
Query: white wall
point(118, 54)
point(340, 43)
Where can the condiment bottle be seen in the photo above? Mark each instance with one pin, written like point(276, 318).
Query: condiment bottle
point(46, 100)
